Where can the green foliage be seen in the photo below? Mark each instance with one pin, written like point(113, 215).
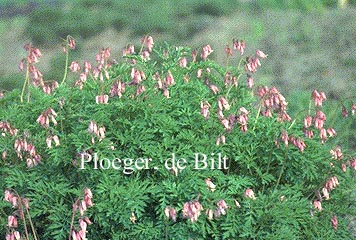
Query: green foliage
point(131, 205)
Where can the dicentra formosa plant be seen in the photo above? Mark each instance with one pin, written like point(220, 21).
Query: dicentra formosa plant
point(170, 145)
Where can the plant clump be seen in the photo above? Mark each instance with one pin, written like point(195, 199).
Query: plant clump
point(169, 145)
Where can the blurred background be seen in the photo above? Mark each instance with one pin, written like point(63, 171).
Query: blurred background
point(311, 44)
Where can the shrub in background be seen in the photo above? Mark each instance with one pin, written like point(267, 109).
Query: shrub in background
point(260, 174)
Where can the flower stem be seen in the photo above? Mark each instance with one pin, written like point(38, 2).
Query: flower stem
point(25, 83)
point(66, 66)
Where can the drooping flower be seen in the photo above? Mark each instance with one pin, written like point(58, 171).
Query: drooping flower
point(250, 194)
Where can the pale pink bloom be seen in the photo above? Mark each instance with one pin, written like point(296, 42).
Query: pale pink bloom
point(353, 108)
point(308, 121)
point(148, 41)
point(71, 43)
point(318, 98)
point(353, 164)
point(326, 193)
point(194, 55)
point(206, 51)
point(140, 89)
point(199, 73)
point(343, 167)
point(83, 225)
point(210, 214)
point(204, 106)
point(12, 221)
point(226, 124)
point(223, 103)
point(166, 93)
point(334, 222)
point(169, 80)
point(239, 45)
point(261, 54)
point(17, 235)
point(336, 152)
point(284, 137)
point(214, 88)
point(317, 205)
point(210, 184)
point(183, 62)
point(228, 51)
point(4, 155)
point(102, 99)
point(8, 196)
point(331, 132)
point(308, 133)
point(223, 139)
point(250, 194)
point(237, 204)
point(323, 135)
point(133, 217)
point(249, 82)
point(171, 213)
point(145, 55)
point(74, 66)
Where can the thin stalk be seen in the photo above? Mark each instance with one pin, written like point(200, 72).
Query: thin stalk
point(31, 224)
point(66, 66)
point(282, 170)
point(72, 220)
point(257, 116)
point(26, 82)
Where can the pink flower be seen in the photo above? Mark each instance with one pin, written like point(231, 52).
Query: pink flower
point(249, 82)
point(239, 45)
point(250, 194)
point(204, 106)
point(206, 51)
point(223, 104)
point(183, 62)
point(71, 43)
point(214, 88)
point(74, 66)
point(334, 222)
point(317, 205)
point(169, 80)
point(326, 193)
point(210, 184)
point(261, 54)
point(12, 221)
point(228, 51)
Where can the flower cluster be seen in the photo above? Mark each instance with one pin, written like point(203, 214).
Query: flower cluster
point(46, 116)
point(171, 213)
point(84, 221)
point(6, 127)
point(192, 210)
point(18, 203)
point(165, 83)
point(273, 100)
point(33, 56)
point(117, 89)
point(148, 43)
point(206, 51)
point(220, 210)
point(98, 131)
point(49, 87)
point(28, 151)
point(51, 138)
point(329, 185)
